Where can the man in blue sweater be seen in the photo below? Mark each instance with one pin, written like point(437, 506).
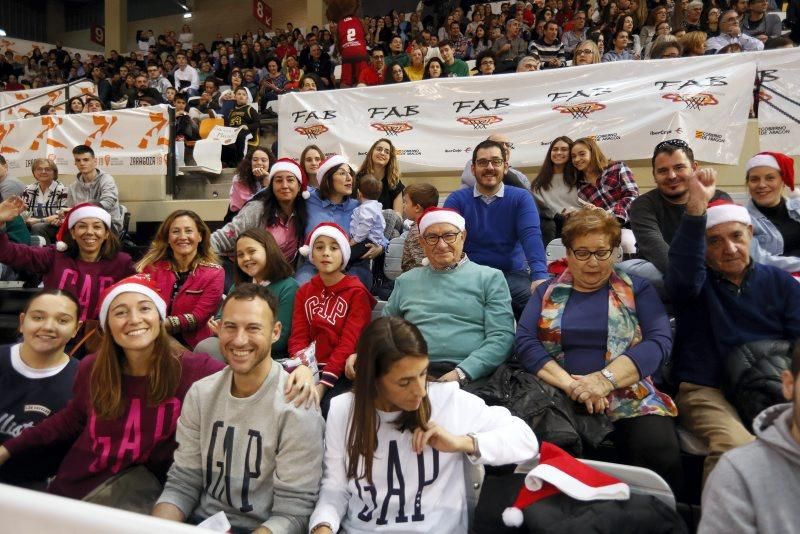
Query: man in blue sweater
point(722, 300)
point(502, 224)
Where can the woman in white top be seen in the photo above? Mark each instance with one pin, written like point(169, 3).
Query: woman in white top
point(186, 37)
point(395, 446)
point(555, 188)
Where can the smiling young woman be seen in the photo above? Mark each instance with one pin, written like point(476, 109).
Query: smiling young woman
point(127, 397)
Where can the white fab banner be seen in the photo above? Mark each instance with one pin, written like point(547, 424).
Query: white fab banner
point(628, 107)
point(21, 47)
point(131, 141)
point(44, 95)
point(779, 100)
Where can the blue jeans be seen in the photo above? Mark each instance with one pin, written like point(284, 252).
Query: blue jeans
point(360, 269)
point(519, 284)
point(648, 271)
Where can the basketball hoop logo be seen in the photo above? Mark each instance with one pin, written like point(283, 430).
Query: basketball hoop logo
point(580, 111)
point(481, 122)
point(392, 128)
point(763, 96)
point(693, 101)
point(312, 131)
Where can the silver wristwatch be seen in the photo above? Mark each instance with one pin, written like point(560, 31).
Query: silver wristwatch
point(610, 377)
point(463, 379)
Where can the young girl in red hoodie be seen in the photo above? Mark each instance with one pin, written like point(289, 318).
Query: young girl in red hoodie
point(331, 310)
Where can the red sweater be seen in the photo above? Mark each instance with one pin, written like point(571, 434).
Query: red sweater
point(199, 296)
point(102, 448)
point(85, 280)
point(332, 316)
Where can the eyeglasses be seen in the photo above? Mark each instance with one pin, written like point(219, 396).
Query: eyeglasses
point(583, 51)
point(487, 62)
point(381, 150)
point(496, 162)
point(674, 143)
point(583, 255)
point(433, 239)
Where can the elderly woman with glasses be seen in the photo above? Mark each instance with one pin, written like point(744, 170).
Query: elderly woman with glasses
point(598, 335)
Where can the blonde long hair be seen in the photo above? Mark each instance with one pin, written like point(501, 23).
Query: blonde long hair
point(160, 250)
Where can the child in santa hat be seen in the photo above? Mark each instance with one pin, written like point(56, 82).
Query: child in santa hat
point(331, 310)
point(775, 215)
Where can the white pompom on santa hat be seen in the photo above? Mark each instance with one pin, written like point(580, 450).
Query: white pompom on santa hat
point(77, 213)
point(335, 232)
point(723, 211)
point(559, 472)
point(141, 284)
point(778, 161)
point(434, 215)
point(290, 165)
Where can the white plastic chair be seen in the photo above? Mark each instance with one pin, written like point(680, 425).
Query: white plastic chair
point(641, 480)
point(377, 311)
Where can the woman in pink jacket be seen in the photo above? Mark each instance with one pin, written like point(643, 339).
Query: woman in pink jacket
point(187, 275)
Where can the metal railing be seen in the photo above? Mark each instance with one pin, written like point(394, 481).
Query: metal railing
point(51, 88)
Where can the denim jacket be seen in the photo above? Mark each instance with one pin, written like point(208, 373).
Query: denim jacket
point(767, 244)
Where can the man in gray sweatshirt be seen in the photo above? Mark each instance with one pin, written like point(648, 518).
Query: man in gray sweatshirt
point(242, 448)
point(94, 185)
point(756, 487)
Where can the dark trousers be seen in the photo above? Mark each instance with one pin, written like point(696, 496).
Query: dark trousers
point(650, 441)
point(519, 284)
point(343, 385)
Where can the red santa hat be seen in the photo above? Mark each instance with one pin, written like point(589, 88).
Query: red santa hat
point(722, 211)
point(290, 165)
point(330, 163)
point(434, 215)
point(559, 472)
point(781, 162)
point(335, 232)
point(77, 213)
point(138, 283)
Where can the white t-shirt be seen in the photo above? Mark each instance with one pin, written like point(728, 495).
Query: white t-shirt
point(410, 492)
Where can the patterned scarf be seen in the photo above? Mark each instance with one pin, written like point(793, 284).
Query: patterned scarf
point(641, 398)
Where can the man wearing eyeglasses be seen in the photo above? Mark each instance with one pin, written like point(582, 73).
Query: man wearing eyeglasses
point(375, 72)
point(512, 177)
point(576, 35)
point(463, 309)
point(656, 215)
point(503, 224)
point(156, 80)
point(730, 32)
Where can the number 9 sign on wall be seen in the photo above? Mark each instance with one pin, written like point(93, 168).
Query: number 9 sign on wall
point(98, 34)
point(263, 13)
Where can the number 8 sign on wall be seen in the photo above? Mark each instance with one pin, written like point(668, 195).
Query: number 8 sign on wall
point(263, 13)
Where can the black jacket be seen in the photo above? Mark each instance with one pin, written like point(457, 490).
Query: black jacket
point(752, 377)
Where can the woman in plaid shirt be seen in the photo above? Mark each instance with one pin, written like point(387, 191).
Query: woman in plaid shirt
point(606, 184)
point(45, 200)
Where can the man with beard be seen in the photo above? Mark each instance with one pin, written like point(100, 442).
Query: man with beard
point(502, 224)
point(143, 91)
point(242, 448)
point(655, 215)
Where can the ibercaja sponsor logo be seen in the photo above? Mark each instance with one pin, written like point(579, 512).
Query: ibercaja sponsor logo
point(661, 133)
point(695, 101)
point(775, 130)
point(481, 122)
point(709, 136)
point(580, 111)
point(313, 131)
point(392, 128)
point(605, 137)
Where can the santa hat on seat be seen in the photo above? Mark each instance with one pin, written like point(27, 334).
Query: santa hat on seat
point(781, 162)
point(78, 212)
point(722, 211)
point(559, 472)
point(434, 215)
point(290, 165)
point(335, 232)
point(138, 283)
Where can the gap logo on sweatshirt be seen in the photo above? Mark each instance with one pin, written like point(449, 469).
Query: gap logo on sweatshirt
point(220, 461)
point(70, 278)
point(376, 507)
point(331, 309)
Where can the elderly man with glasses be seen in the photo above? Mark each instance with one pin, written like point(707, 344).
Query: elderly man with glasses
point(503, 224)
point(730, 33)
point(656, 215)
point(463, 309)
